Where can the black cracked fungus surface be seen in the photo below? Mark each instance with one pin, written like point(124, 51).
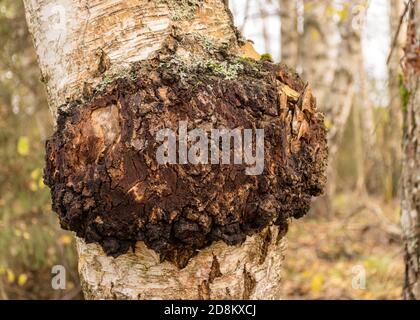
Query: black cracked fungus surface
point(107, 186)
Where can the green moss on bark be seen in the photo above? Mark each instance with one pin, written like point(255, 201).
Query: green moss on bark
point(404, 94)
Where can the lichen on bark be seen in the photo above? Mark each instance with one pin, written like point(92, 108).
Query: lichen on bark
point(107, 186)
point(182, 9)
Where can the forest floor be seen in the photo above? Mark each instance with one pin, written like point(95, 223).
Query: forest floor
point(355, 253)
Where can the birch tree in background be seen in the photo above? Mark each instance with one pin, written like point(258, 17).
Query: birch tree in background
point(337, 109)
point(289, 33)
point(393, 127)
point(369, 162)
point(410, 202)
point(317, 50)
point(330, 64)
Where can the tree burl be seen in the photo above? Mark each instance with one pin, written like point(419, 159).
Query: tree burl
point(108, 187)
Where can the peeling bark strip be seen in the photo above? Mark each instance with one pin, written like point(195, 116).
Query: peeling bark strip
point(106, 183)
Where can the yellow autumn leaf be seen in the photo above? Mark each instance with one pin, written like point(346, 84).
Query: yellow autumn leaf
point(10, 276)
point(331, 11)
point(41, 183)
point(308, 6)
point(369, 263)
point(368, 295)
point(315, 35)
point(35, 174)
point(65, 239)
point(328, 123)
point(343, 15)
point(23, 146)
point(317, 282)
point(33, 186)
point(22, 279)
point(2, 271)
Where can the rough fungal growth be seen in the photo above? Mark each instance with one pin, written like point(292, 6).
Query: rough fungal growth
point(108, 187)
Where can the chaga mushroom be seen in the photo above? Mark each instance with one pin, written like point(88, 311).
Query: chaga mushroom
point(109, 187)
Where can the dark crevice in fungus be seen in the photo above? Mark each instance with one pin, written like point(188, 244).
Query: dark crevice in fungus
point(249, 284)
point(108, 187)
point(264, 246)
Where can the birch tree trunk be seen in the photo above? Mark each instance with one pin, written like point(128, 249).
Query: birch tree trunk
point(343, 89)
point(289, 33)
point(393, 128)
point(76, 43)
point(318, 51)
point(410, 204)
point(81, 45)
point(369, 159)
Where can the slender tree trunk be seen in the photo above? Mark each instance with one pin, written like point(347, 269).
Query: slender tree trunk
point(410, 204)
point(264, 29)
point(358, 149)
point(394, 69)
point(81, 46)
point(289, 33)
point(317, 51)
point(393, 127)
point(370, 153)
point(343, 89)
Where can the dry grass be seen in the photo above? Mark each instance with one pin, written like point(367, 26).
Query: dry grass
point(325, 254)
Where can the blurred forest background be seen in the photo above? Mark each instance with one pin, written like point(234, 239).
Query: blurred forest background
point(343, 49)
